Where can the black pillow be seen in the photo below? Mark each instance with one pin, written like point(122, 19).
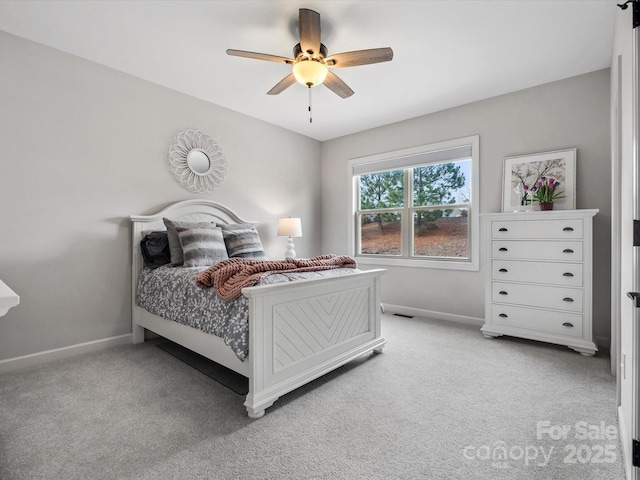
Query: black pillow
point(155, 249)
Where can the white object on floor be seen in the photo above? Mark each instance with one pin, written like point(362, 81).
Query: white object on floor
point(8, 298)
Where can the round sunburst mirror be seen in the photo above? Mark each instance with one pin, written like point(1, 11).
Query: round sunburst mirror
point(197, 161)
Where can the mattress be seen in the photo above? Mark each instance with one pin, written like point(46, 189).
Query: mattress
point(171, 293)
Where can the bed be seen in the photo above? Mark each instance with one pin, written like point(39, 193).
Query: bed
point(285, 350)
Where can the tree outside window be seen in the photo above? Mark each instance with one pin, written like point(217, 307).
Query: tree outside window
point(420, 211)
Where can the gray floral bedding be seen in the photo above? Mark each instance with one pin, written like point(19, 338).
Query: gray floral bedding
point(171, 293)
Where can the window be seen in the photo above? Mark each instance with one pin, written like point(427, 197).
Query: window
point(418, 207)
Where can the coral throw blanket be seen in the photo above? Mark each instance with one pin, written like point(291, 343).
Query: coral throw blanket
point(230, 276)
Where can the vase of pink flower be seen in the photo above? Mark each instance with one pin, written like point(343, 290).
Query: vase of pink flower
point(545, 191)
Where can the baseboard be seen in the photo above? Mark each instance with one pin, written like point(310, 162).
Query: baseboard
point(16, 363)
point(625, 443)
point(603, 342)
point(418, 312)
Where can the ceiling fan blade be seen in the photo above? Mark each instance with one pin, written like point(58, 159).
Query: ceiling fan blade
point(360, 57)
point(337, 86)
point(259, 56)
point(282, 85)
point(309, 27)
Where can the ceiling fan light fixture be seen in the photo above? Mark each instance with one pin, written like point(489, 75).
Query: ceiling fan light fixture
point(311, 60)
point(310, 72)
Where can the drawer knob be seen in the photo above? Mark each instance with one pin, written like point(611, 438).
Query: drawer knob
point(503, 229)
point(503, 270)
point(567, 250)
point(503, 315)
point(567, 324)
point(567, 229)
point(567, 274)
point(502, 292)
point(503, 249)
point(567, 299)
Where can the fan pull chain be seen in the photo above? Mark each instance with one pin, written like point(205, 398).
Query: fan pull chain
point(310, 118)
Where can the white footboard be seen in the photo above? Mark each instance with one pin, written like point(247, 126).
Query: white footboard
point(302, 330)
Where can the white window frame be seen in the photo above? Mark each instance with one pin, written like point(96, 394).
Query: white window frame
point(402, 159)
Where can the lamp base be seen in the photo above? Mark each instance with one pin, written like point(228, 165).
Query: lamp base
point(290, 252)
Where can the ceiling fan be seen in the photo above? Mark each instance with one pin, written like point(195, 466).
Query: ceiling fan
point(310, 60)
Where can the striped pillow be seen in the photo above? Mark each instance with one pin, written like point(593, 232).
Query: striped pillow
point(175, 248)
point(244, 243)
point(202, 246)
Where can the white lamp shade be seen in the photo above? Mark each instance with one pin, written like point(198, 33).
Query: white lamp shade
point(309, 72)
point(289, 227)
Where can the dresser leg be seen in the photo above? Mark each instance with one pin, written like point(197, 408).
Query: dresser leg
point(584, 351)
point(490, 335)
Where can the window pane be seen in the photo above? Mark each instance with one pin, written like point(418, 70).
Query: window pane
point(442, 183)
point(382, 190)
point(380, 234)
point(441, 233)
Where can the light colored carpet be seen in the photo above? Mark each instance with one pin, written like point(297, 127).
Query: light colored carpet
point(439, 403)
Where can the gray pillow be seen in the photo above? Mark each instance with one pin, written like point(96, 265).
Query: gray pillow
point(244, 243)
point(175, 247)
point(202, 246)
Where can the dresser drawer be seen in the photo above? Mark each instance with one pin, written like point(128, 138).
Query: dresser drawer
point(531, 229)
point(560, 298)
point(563, 274)
point(538, 320)
point(540, 250)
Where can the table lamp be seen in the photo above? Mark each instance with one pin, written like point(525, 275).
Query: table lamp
point(289, 227)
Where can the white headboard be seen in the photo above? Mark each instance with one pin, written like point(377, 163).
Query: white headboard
point(196, 210)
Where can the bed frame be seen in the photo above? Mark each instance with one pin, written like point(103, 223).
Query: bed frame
point(298, 331)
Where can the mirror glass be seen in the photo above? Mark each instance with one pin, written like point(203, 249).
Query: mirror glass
point(198, 162)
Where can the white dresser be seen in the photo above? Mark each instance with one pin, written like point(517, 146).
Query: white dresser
point(539, 277)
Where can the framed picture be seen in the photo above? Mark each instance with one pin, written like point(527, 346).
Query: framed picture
point(521, 173)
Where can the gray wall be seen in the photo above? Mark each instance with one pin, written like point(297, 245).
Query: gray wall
point(82, 147)
point(564, 114)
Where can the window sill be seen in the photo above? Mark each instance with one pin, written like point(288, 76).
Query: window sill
point(415, 263)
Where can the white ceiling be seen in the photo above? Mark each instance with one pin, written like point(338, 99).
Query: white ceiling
point(446, 52)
